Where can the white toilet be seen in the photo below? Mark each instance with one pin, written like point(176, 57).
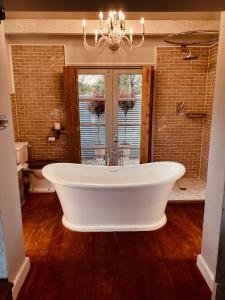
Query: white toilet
point(37, 182)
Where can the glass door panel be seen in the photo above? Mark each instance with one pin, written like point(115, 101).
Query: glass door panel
point(128, 113)
point(110, 103)
point(92, 105)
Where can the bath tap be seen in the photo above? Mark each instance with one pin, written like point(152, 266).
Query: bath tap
point(120, 156)
point(117, 152)
point(107, 156)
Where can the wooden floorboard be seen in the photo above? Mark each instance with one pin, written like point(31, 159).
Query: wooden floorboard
point(66, 265)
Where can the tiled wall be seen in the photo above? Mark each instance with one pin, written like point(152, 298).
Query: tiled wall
point(38, 101)
point(208, 109)
point(179, 138)
point(3, 268)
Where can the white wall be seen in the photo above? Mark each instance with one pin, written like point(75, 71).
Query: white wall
point(216, 172)
point(76, 54)
point(10, 211)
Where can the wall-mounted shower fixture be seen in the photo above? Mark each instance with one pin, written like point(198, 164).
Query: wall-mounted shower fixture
point(192, 38)
point(180, 111)
point(3, 122)
point(187, 53)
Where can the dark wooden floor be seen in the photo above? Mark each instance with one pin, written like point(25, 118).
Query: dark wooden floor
point(66, 265)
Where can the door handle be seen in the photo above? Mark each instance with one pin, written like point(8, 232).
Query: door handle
point(3, 122)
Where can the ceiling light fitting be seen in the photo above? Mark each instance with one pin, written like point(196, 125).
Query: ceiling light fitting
point(112, 33)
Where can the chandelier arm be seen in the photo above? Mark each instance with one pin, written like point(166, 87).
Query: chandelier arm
point(93, 48)
point(127, 43)
point(123, 44)
point(141, 42)
point(102, 47)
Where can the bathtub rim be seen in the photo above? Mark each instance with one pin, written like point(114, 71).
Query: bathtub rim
point(180, 172)
point(114, 228)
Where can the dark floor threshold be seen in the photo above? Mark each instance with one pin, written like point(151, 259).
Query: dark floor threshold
point(5, 289)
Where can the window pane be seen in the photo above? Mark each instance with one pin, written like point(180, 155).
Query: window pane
point(92, 111)
point(91, 86)
point(129, 115)
point(129, 135)
point(89, 157)
point(134, 114)
point(92, 135)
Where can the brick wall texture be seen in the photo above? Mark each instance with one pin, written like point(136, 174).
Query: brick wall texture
point(179, 138)
point(208, 109)
point(38, 102)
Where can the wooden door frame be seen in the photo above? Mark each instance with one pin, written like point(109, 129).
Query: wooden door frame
point(147, 113)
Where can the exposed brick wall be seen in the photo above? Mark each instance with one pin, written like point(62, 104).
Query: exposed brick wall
point(38, 101)
point(178, 138)
point(208, 109)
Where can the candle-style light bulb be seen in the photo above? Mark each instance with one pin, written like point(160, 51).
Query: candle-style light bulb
point(108, 23)
point(84, 24)
point(101, 19)
point(120, 15)
point(115, 17)
point(111, 18)
point(142, 21)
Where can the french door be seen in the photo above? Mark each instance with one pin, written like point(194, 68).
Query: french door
point(110, 109)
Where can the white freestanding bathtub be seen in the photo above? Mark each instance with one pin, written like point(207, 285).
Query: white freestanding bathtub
point(114, 198)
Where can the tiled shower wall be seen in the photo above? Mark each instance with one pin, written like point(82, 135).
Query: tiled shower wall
point(177, 137)
point(208, 109)
point(38, 102)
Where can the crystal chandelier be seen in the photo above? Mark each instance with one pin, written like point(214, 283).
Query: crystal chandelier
point(113, 34)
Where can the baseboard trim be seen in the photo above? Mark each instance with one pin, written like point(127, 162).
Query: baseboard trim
point(20, 277)
point(206, 272)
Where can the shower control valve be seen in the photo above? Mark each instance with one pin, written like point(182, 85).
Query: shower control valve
point(3, 122)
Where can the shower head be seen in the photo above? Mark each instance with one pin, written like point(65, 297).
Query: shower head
point(187, 53)
point(192, 38)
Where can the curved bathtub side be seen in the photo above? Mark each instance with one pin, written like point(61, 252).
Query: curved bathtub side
point(121, 207)
point(138, 209)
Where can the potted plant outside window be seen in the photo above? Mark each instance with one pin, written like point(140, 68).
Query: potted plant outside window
point(97, 107)
point(126, 106)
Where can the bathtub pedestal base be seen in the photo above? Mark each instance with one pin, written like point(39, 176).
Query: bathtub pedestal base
point(113, 228)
